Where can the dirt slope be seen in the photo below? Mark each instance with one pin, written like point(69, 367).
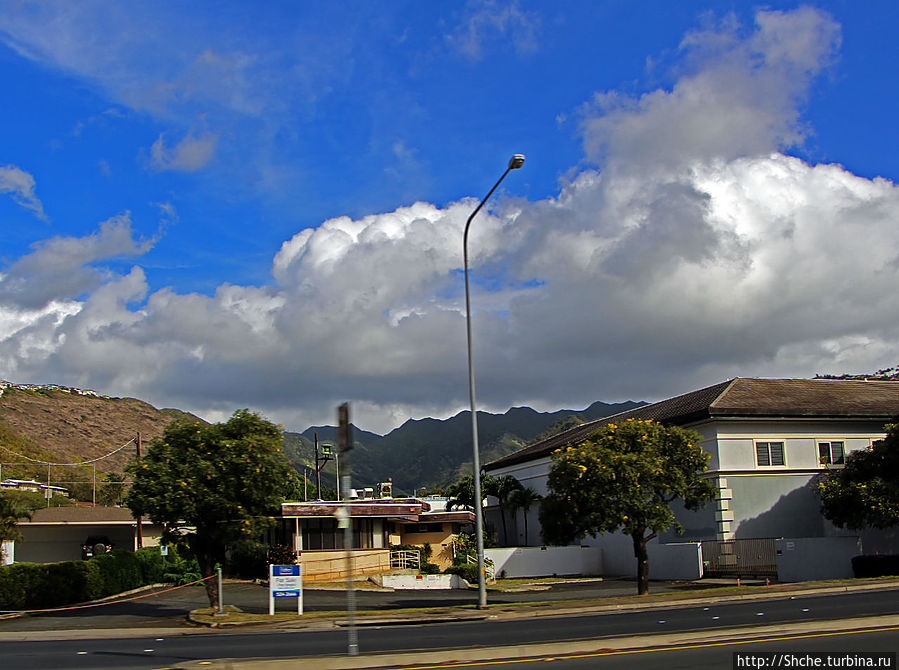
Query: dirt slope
point(71, 426)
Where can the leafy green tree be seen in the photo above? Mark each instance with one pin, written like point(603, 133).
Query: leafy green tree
point(625, 477)
point(213, 486)
point(12, 510)
point(523, 499)
point(866, 491)
point(503, 488)
point(112, 489)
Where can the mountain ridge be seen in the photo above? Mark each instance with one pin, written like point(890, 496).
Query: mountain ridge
point(58, 424)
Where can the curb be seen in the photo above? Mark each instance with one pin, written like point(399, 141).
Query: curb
point(547, 609)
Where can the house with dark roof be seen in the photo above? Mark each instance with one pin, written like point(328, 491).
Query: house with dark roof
point(768, 439)
point(55, 534)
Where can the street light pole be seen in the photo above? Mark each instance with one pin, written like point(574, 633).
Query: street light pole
point(514, 163)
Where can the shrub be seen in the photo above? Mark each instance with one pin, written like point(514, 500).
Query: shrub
point(248, 560)
point(468, 572)
point(181, 571)
point(152, 563)
point(47, 585)
point(281, 554)
point(879, 565)
point(430, 569)
point(121, 571)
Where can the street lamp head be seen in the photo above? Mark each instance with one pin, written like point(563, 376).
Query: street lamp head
point(516, 161)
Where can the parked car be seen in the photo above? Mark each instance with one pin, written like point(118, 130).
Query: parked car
point(95, 545)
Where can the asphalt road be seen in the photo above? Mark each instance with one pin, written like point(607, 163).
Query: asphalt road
point(170, 651)
point(791, 652)
point(170, 609)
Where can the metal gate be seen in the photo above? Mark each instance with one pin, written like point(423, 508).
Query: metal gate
point(739, 558)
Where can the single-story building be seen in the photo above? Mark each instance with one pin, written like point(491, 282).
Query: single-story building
point(56, 534)
point(768, 440)
point(313, 529)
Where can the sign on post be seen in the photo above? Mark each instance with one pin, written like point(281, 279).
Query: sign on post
point(285, 581)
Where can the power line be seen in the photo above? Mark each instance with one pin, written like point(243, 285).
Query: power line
point(93, 460)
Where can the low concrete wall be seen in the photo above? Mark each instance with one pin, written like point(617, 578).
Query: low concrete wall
point(676, 560)
point(329, 566)
point(410, 582)
point(546, 561)
point(807, 558)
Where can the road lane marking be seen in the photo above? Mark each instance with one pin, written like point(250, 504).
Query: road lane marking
point(621, 652)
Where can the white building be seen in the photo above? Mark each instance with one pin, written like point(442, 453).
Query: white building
point(768, 440)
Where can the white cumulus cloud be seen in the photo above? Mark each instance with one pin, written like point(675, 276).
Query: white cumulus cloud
point(699, 249)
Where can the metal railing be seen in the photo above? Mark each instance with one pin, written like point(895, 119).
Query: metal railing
point(405, 559)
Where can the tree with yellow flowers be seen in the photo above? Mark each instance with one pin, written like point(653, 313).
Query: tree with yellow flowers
point(624, 477)
point(212, 485)
point(866, 491)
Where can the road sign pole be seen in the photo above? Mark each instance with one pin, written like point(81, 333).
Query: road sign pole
point(344, 444)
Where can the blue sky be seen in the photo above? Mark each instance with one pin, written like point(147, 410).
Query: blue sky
point(221, 205)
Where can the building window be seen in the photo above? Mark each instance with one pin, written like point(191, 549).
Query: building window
point(424, 528)
point(831, 453)
point(769, 453)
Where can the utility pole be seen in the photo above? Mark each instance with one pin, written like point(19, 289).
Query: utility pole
point(344, 444)
point(140, 522)
point(318, 472)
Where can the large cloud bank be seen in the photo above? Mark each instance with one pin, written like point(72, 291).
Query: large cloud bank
point(696, 249)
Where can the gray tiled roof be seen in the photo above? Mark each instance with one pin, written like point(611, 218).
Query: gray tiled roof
point(79, 514)
point(785, 398)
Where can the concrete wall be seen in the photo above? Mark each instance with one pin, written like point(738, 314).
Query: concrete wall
point(809, 558)
point(772, 505)
point(546, 561)
point(678, 560)
point(416, 582)
point(329, 566)
point(441, 544)
point(681, 560)
point(877, 541)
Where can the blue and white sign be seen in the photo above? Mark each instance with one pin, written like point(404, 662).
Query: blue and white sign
point(285, 581)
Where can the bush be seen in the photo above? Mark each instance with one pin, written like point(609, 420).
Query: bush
point(879, 565)
point(468, 572)
point(152, 563)
point(248, 560)
point(48, 585)
point(430, 569)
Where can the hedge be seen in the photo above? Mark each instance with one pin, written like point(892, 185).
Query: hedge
point(47, 585)
point(877, 565)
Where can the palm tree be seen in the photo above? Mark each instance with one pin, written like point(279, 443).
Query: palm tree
point(461, 494)
point(523, 499)
point(503, 488)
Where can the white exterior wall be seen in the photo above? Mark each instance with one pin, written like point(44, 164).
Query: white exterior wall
point(807, 558)
point(546, 561)
point(736, 442)
point(532, 474)
point(416, 582)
